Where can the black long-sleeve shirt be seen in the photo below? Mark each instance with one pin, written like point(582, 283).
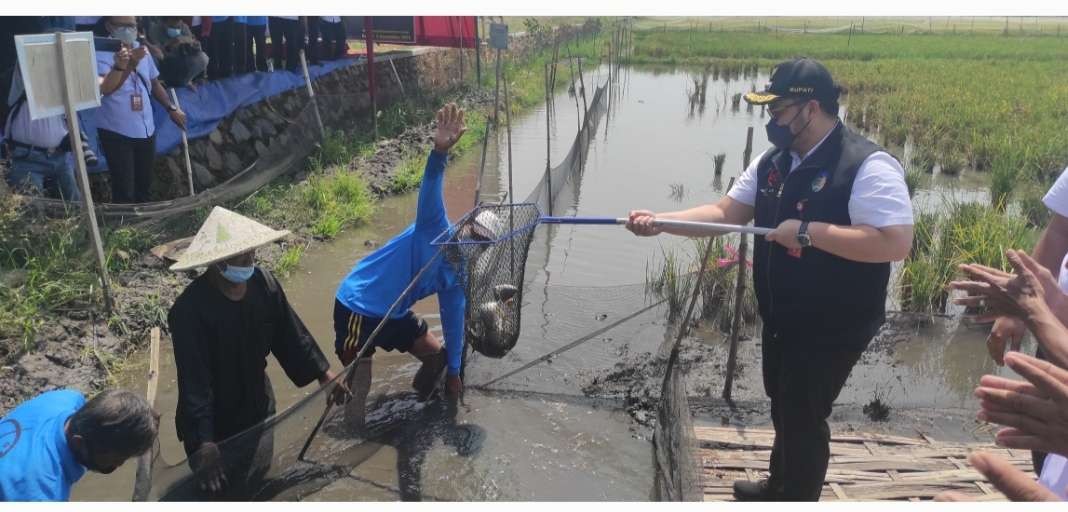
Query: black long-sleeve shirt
point(221, 348)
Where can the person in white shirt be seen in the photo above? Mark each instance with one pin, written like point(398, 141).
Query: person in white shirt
point(841, 213)
point(39, 148)
point(1051, 252)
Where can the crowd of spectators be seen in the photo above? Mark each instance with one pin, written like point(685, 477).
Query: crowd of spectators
point(183, 51)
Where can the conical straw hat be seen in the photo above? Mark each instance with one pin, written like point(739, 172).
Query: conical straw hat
point(225, 234)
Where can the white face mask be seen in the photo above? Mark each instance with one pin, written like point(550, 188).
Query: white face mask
point(127, 35)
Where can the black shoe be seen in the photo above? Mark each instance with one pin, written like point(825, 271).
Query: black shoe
point(746, 490)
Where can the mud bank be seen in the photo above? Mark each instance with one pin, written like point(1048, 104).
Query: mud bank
point(905, 348)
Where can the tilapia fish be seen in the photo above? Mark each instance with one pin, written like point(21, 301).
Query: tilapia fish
point(490, 327)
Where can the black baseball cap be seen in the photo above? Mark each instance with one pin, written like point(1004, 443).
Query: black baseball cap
point(798, 78)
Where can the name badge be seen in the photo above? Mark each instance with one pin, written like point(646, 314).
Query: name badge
point(137, 104)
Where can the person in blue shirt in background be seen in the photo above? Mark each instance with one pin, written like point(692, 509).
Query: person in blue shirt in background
point(366, 294)
point(48, 443)
point(125, 123)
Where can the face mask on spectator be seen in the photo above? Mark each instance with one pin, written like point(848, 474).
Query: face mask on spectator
point(174, 32)
point(127, 35)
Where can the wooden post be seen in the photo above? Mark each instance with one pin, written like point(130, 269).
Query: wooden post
point(369, 41)
point(739, 286)
point(548, 138)
point(311, 94)
point(143, 477)
point(185, 145)
point(478, 59)
point(74, 131)
point(582, 85)
point(496, 128)
point(571, 64)
point(511, 181)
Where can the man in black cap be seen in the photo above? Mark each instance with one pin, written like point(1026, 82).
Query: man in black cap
point(841, 213)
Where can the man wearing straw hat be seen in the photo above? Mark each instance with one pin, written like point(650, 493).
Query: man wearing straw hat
point(841, 213)
point(223, 326)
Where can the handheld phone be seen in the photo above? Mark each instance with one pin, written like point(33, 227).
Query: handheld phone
point(107, 44)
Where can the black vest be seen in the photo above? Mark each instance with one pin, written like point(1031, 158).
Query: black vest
point(818, 297)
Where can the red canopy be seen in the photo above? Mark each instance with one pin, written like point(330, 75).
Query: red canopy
point(450, 31)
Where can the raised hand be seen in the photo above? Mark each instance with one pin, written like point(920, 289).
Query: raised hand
point(1000, 293)
point(450, 127)
point(1035, 412)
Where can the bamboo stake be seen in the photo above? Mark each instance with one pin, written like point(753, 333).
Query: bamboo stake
point(311, 94)
point(83, 175)
point(143, 477)
point(185, 145)
point(496, 128)
point(739, 287)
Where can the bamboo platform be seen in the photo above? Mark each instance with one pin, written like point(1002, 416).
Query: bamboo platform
point(863, 467)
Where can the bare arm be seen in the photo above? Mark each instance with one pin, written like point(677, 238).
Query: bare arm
point(862, 243)
point(1053, 245)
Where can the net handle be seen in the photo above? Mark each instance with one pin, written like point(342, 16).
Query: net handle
point(702, 228)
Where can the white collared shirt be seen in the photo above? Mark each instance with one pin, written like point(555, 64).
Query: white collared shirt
point(44, 133)
point(879, 199)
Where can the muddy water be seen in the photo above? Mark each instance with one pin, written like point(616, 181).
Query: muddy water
point(541, 437)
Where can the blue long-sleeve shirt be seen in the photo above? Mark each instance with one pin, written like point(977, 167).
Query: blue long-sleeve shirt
point(379, 278)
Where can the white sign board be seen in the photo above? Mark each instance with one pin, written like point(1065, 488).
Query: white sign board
point(40, 68)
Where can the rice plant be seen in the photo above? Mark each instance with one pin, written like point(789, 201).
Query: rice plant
point(951, 163)
point(962, 233)
point(718, 162)
point(913, 178)
point(670, 280)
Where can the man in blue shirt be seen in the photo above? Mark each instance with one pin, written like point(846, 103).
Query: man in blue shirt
point(47, 443)
point(365, 295)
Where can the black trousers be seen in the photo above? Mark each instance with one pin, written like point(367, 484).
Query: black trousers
point(221, 64)
point(257, 36)
point(292, 31)
point(335, 45)
point(241, 62)
point(315, 51)
point(130, 162)
point(803, 377)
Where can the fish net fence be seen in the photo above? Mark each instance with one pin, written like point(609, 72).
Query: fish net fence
point(585, 347)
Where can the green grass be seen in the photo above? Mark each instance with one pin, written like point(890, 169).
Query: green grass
point(289, 260)
point(47, 264)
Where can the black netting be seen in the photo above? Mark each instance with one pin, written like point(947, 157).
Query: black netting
point(489, 245)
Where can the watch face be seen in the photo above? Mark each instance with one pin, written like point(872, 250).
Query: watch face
point(804, 240)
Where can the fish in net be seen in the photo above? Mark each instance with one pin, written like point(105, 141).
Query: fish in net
point(489, 247)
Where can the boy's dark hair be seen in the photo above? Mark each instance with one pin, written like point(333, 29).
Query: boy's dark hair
point(117, 421)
